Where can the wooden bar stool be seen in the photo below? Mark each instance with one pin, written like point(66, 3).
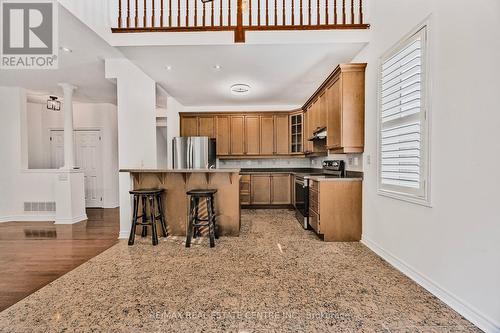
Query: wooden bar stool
point(148, 197)
point(195, 219)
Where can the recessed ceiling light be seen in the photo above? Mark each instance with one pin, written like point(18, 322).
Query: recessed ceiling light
point(65, 49)
point(217, 67)
point(169, 68)
point(240, 89)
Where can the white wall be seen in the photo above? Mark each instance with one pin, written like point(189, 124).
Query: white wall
point(453, 248)
point(18, 185)
point(98, 116)
point(173, 124)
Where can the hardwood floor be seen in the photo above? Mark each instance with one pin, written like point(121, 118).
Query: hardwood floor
point(34, 254)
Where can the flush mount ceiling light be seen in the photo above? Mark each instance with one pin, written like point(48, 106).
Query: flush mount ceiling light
point(240, 89)
point(53, 104)
point(65, 49)
point(217, 67)
point(169, 68)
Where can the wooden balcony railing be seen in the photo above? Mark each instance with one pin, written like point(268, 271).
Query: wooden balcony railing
point(238, 15)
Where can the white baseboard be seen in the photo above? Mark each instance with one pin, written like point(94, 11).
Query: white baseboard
point(468, 311)
point(73, 220)
point(28, 218)
point(124, 234)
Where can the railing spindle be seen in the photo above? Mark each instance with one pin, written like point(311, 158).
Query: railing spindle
point(187, 12)
point(258, 12)
point(169, 13)
point(352, 11)
point(249, 12)
point(301, 13)
point(326, 13)
point(119, 13)
point(144, 17)
point(161, 14)
point(220, 13)
point(153, 13)
point(267, 12)
point(343, 12)
point(128, 13)
point(335, 18)
point(211, 13)
point(360, 11)
point(229, 13)
point(275, 12)
point(318, 15)
point(196, 13)
point(178, 13)
point(293, 12)
point(284, 18)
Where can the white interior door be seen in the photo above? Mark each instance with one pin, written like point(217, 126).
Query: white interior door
point(87, 145)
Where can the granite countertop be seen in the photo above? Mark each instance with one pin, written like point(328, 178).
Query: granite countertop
point(280, 170)
point(334, 179)
point(181, 170)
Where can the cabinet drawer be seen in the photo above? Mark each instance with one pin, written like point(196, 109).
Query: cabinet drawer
point(314, 221)
point(244, 186)
point(314, 185)
point(314, 205)
point(313, 195)
point(245, 199)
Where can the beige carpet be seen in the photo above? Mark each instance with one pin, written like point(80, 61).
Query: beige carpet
point(275, 277)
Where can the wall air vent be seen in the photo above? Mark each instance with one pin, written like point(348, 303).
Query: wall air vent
point(40, 206)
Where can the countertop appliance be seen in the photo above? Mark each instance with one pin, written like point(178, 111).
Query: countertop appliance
point(332, 168)
point(194, 152)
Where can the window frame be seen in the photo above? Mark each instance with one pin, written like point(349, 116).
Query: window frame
point(418, 197)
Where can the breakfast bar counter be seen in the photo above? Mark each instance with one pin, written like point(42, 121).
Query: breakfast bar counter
point(177, 182)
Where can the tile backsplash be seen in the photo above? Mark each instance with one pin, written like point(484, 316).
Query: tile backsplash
point(354, 162)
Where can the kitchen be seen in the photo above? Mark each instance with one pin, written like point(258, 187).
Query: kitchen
point(216, 148)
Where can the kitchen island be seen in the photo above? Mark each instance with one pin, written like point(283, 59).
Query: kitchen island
point(176, 202)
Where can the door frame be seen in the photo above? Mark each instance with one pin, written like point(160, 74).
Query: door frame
point(101, 152)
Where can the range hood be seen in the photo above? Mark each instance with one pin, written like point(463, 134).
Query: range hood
point(318, 134)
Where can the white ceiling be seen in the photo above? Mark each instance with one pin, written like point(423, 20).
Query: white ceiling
point(84, 67)
point(281, 75)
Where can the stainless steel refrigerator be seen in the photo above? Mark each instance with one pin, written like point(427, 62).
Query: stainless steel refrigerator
point(194, 152)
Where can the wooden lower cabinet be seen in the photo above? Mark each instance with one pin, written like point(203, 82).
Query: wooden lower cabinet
point(335, 209)
point(245, 189)
point(266, 189)
point(260, 190)
point(281, 189)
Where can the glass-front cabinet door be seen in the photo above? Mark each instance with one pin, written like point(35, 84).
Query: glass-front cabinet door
point(296, 130)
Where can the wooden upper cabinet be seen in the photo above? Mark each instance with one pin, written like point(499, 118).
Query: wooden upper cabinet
point(223, 135)
point(252, 135)
point(280, 189)
point(346, 109)
point(322, 110)
point(206, 126)
point(260, 190)
point(189, 126)
point(267, 135)
point(281, 134)
point(334, 115)
point(237, 143)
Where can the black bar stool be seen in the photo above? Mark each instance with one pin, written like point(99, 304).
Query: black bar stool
point(195, 219)
point(145, 196)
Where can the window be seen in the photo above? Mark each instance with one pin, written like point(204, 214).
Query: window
point(403, 125)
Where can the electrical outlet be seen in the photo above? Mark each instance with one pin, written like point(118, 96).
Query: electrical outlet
point(349, 160)
point(368, 159)
point(356, 161)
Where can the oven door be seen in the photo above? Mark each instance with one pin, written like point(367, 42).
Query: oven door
point(302, 201)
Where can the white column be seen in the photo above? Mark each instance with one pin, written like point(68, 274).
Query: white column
point(69, 156)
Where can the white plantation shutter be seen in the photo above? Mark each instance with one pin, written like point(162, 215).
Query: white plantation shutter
point(403, 124)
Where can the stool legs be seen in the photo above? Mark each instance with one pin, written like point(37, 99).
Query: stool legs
point(144, 217)
point(131, 238)
point(211, 225)
point(216, 228)
point(153, 219)
point(189, 233)
point(162, 217)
